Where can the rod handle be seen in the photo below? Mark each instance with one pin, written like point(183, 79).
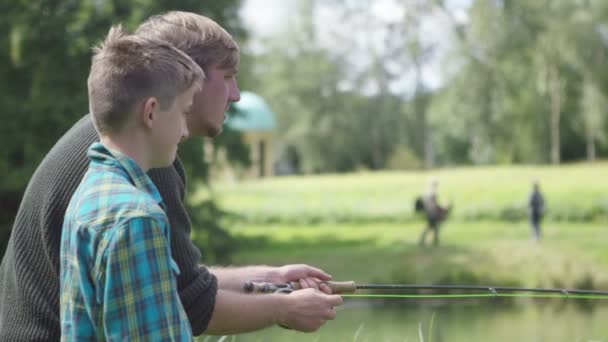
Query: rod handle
point(264, 287)
point(335, 286)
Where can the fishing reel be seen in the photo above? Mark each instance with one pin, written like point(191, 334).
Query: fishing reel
point(263, 287)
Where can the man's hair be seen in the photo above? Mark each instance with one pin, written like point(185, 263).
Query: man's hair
point(127, 69)
point(201, 38)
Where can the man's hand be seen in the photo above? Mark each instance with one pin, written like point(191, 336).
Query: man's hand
point(233, 279)
point(307, 276)
point(307, 310)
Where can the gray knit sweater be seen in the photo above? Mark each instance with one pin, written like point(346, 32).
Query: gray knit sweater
point(29, 274)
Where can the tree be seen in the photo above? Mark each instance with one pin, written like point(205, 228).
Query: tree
point(521, 67)
point(44, 62)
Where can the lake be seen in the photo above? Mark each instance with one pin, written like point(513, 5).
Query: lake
point(467, 320)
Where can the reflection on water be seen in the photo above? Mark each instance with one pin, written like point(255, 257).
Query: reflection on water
point(469, 320)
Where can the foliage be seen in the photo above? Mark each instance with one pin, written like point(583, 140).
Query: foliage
point(523, 82)
point(44, 62)
point(209, 235)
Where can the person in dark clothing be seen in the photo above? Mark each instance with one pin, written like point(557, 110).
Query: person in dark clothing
point(434, 214)
point(536, 210)
point(213, 298)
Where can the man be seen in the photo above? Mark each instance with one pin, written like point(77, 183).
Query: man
point(434, 213)
point(212, 298)
point(536, 210)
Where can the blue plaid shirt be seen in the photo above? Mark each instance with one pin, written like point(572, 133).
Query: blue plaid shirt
point(118, 280)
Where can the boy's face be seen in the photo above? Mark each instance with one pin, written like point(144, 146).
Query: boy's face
point(171, 128)
point(210, 104)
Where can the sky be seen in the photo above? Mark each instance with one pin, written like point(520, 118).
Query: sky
point(265, 18)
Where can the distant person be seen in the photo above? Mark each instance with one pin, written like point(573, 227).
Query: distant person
point(433, 211)
point(536, 210)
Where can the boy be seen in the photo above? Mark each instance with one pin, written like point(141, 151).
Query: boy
point(117, 277)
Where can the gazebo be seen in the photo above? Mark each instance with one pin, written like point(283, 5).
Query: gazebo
point(257, 123)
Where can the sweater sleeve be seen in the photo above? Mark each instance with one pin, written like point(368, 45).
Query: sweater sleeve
point(197, 286)
point(29, 274)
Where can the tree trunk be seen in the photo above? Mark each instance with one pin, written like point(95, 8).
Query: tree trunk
point(590, 148)
point(556, 104)
point(429, 151)
point(421, 104)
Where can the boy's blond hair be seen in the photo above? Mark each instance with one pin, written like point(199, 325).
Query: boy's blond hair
point(127, 69)
point(201, 38)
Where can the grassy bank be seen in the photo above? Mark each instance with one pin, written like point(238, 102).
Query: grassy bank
point(362, 227)
point(574, 193)
point(482, 253)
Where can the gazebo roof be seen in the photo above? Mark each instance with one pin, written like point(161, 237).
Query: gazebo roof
point(254, 114)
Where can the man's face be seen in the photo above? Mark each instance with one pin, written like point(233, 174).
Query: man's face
point(210, 104)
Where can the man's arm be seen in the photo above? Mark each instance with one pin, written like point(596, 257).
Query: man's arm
point(233, 278)
point(304, 310)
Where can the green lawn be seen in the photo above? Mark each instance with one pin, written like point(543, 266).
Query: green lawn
point(361, 226)
point(575, 192)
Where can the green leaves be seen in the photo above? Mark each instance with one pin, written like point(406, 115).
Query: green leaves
point(44, 63)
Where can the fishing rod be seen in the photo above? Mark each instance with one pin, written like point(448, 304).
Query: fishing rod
point(348, 289)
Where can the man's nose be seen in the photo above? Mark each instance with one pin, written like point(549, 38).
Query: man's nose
point(185, 132)
point(235, 94)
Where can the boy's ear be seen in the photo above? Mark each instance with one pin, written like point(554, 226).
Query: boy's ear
point(148, 112)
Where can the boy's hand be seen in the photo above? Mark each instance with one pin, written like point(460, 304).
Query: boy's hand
point(307, 310)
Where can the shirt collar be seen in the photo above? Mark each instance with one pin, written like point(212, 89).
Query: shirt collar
point(100, 154)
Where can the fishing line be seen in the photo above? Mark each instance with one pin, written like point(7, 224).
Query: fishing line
point(476, 295)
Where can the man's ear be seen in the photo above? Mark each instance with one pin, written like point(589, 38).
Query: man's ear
point(148, 113)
